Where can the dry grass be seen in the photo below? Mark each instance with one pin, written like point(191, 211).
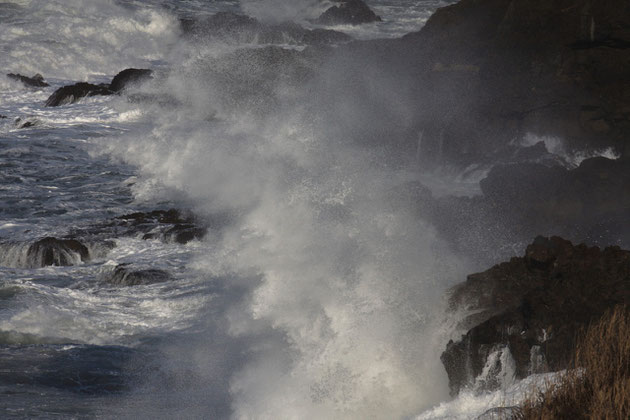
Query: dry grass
point(598, 387)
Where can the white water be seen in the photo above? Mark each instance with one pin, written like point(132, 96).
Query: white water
point(322, 298)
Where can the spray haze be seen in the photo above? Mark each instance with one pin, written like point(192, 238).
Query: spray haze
point(335, 278)
point(281, 11)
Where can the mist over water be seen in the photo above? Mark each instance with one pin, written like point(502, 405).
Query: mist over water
point(319, 295)
point(340, 280)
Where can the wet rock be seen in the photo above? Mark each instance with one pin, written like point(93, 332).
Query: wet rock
point(35, 81)
point(169, 225)
point(26, 123)
point(71, 94)
point(534, 306)
point(588, 204)
point(129, 77)
point(124, 275)
point(234, 27)
point(57, 252)
point(350, 12)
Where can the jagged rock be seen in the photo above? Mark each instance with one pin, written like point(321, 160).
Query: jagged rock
point(57, 252)
point(124, 275)
point(234, 27)
point(352, 12)
point(128, 77)
point(35, 81)
point(534, 306)
point(71, 94)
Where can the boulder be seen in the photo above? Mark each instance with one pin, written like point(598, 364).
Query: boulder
point(35, 81)
point(531, 309)
point(124, 275)
point(348, 12)
point(129, 77)
point(56, 252)
point(71, 94)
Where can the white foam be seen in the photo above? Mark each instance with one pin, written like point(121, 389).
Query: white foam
point(469, 405)
point(76, 39)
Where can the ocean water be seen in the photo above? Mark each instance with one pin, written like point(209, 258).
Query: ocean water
point(318, 290)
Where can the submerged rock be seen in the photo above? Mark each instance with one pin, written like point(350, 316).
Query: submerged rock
point(71, 94)
point(35, 81)
point(57, 252)
point(532, 309)
point(351, 12)
point(26, 123)
point(169, 225)
point(124, 275)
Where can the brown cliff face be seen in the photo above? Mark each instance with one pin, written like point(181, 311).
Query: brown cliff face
point(534, 306)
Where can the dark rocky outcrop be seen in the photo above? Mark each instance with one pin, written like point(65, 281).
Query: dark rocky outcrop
point(124, 275)
point(232, 27)
point(35, 81)
point(129, 77)
point(590, 203)
point(56, 252)
point(169, 225)
point(485, 72)
point(71, 94)
point(351, 12)
point(532, 308)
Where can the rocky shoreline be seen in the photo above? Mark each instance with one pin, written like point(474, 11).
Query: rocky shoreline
point(478, 78)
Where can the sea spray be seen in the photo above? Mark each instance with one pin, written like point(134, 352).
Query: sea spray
point(332, 280)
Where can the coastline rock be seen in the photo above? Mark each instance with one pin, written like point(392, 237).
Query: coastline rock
point(350, 12)
point(71, 94)
point(56, 252)
point(169, 225)
point(495, 70)
point(129, 77)
point(166, 225)
point(531, 309)
point(35, 81)
point(588, 204)
point(124, 275)
point(234, 27)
